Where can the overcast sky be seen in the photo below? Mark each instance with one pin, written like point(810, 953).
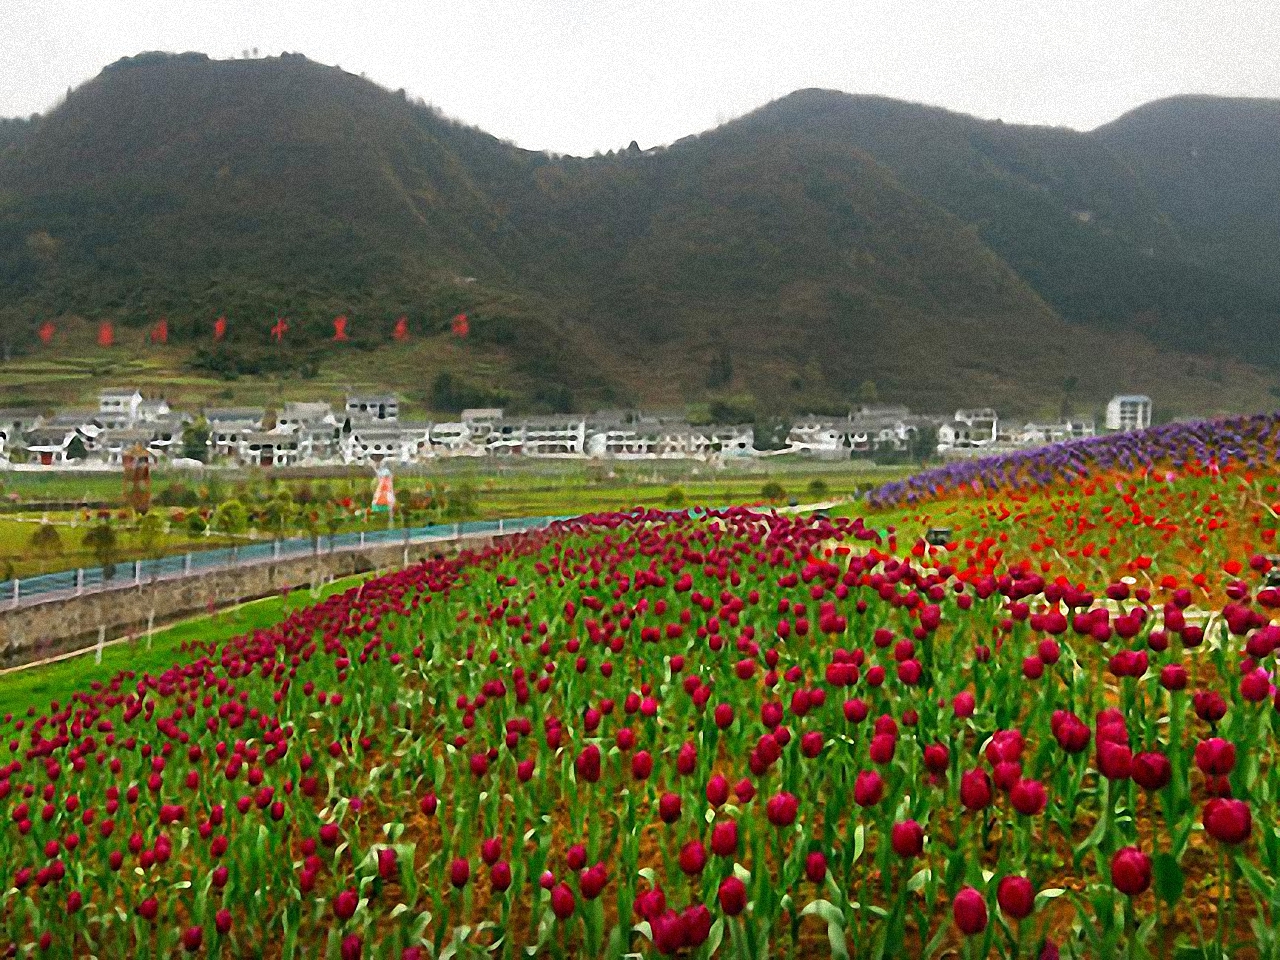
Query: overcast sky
point(577, 76)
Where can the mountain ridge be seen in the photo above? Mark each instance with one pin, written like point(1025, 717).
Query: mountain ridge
point(824, 247)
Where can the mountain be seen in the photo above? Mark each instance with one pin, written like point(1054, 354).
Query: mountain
point(1109, 228)
point(822, 248)
point(1213, 164)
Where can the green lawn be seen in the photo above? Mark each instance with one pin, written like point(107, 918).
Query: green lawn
point(39, 685)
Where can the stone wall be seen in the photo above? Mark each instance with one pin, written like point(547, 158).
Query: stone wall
point(30, 633)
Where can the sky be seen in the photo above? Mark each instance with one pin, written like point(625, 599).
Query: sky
point(577, 76)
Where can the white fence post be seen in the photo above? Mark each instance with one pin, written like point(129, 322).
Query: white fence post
point(79, 580)
point(499, 526)
point(362, 539)
point(275, 549)
point(102, 640)
point(17, 590)
point(137, 571)
point(186, 562)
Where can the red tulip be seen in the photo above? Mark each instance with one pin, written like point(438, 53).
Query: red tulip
point(693, 857)
point(459, 872)
point(1228, 821)
point(1016, 896)
point(975, 789)
point(1028, 797)
point(868, 788)
point(1152, 770)
point(563, 902)
point(724, 838)
point(782, 808)
point(732, 896)
point(1215, 756)
point(1130, 871)
point(907, 838)
point(970, 911)
point(815, 867)
point(192, 938)
point(345, 903)
point(500, 876)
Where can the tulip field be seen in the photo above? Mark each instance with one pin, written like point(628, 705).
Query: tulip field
point(714, 733)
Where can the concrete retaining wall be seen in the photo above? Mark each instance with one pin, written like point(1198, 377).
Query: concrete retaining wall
point(47, 629)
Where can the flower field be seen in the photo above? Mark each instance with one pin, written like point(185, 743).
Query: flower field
point(726, 733)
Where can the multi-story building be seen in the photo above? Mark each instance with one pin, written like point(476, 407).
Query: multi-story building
point(1129, 412)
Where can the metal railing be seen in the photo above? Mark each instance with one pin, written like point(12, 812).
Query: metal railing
point(50, 586)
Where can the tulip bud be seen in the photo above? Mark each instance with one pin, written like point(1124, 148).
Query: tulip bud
point(1130, 871)
point(969, 910)
point(732, 896)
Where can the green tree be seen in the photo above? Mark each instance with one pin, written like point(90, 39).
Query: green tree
point(462, 502)
point(150, 529)
point(76, 450)
point(45, 541)
point(279, 511)
point(773, 491)
point(924, 444)
point(195, 440)
point(101, 540)
point(867, 392)
point(818, 489)
point(674, 498)
point(231, 517)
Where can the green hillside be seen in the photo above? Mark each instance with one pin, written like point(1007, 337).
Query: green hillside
point(788, 260)
point(1213, 163)
point(1111, 229)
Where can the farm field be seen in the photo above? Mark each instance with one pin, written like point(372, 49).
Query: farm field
point(336, 502)
point(721, 733)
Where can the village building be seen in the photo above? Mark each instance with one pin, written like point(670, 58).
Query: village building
point(112, 444)
point(817, 435)
point(229, 426)
point(624, 441)
point(14, 424)
point(554, 436)
point(1035, 434)
point(374, 442)
point(452, 439)
point(119, 407)
point(1129, 412)
point(480, 422)
point(268, 449)
point(50, 446)
point(304, 413)
point(373, 406)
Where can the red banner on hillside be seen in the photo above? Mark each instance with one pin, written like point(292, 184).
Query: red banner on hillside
point(219, 329)
point(47, 330)
point(279, 330)
point(460, 325)
point(160, 332)
point(106, 334)
point(340, 328)
point(401, 332)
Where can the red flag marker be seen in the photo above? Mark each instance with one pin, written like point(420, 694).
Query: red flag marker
point(278, 331)
point(46, 331)
point(401, 331)
point(340, 328)
point(219, 328)
point(460, 325)
point(106, 334)
point(160, 332)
